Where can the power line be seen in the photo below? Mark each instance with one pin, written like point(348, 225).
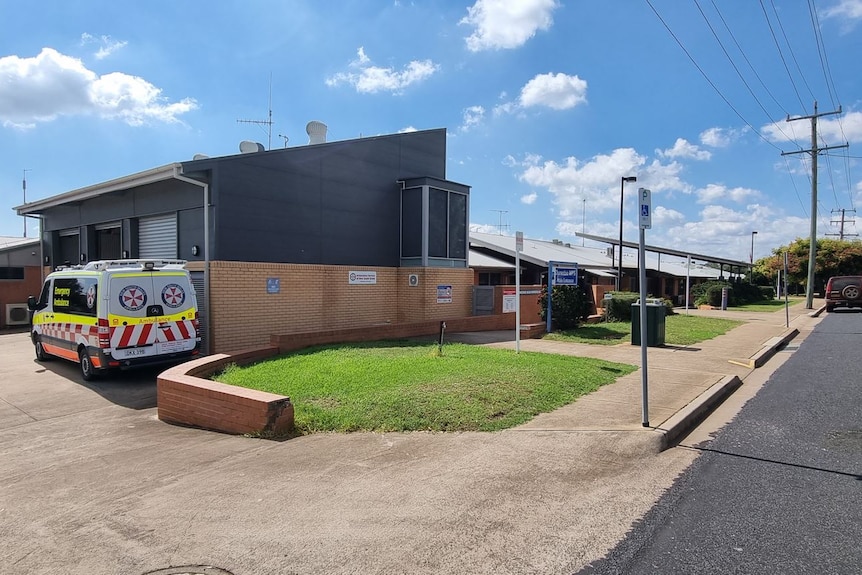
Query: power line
point(711, 83)
point(738, 73)
point(780, 53)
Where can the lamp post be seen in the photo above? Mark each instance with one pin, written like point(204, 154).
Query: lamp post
point(751, 260)
point(623, 181)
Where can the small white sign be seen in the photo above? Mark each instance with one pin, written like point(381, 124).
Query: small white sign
point(362, 278)
point(519, 241)
point(510, 300)
point(645, 208)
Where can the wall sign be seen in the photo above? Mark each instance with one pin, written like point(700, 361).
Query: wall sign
point(362, 278)
point(444, 294)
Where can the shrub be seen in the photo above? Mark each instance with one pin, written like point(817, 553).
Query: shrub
point(768, 292)
point(620, 307)
point(571, 306)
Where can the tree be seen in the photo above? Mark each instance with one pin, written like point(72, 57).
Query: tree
point(833, 258)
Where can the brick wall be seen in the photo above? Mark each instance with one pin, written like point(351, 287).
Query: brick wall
point(16, 291)
point(319, 298)
point(186, 397)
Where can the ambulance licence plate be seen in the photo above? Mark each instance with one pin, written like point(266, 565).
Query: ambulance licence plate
point(133, 352)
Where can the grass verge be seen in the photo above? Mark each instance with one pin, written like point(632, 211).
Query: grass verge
point(679, 330)
point(767, 306)
point(406, 386)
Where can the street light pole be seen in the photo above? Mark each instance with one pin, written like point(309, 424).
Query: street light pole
point(751, 260)
point(623, 181)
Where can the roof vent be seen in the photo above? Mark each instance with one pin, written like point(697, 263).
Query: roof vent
point(249, 147)
point(200, 157)
point(316, 132)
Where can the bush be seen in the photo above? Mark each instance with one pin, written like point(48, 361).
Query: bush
point(768, 292)
point(620, 307)
point(571, 306)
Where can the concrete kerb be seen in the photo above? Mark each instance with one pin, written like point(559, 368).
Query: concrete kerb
point(767, 351)
point(689, 416)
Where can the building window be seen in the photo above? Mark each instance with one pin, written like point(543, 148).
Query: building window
point(11, 273)
point(411, 223)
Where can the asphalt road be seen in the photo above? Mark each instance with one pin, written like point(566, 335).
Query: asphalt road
point(778, 490)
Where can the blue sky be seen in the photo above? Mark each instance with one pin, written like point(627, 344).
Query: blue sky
point(547, 103)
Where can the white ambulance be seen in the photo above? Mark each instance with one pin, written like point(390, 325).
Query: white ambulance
point(117, 314)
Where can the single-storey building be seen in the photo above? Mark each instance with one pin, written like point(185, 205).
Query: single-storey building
point(331, 235)
point(20, 276)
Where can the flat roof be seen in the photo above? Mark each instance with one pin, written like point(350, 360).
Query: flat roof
point(667, 251)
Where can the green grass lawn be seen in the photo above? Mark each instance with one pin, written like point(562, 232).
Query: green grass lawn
point(406, 386)
point(768, 305)
point(679, 330)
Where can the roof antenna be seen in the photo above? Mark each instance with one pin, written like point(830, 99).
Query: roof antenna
point(267, 123)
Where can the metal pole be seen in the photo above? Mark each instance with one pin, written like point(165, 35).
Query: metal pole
point(584, 222)
point(550, 291)
point(812, 248)
point(687, 281)
point(518, 239)
point(623, 180)
point(786, 300)
point(643, 326)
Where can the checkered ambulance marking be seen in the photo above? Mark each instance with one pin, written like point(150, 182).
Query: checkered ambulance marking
point(71, 332)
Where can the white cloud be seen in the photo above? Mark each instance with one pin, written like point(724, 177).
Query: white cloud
point(529, 199)
point(473, 116)
point(408, 129)
point(718, 137)
point(484, 228)
point(107, 44)
point(717, 192)
point(682, 148)
point(504, 24)
point(51, 84)
point(369, 79)
point(557, 91)
point(662, 216)
point(830, 129)
point(597, 180)
point(844, 9)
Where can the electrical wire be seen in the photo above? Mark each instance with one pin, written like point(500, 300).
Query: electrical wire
point(738, 73)
point(780, 53)
point(792, 54)
point(707, 78)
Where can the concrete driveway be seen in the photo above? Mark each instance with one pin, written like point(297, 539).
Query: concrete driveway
point(92, 482)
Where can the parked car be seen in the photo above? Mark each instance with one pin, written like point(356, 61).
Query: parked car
point(843, 291)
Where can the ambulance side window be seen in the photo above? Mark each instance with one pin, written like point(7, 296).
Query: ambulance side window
point(75, 295)
point(45, 295)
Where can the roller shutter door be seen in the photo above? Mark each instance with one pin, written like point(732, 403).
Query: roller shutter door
point(157, 237)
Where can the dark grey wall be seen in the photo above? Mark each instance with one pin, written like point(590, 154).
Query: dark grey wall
point(334, 203)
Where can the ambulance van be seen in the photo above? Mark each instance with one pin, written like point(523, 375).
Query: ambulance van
point(116, 315)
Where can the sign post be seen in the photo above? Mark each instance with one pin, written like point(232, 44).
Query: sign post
point(519, 246)
point(645, 220)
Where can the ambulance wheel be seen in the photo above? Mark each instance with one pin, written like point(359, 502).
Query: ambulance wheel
point(88, 372)
point(40, 351)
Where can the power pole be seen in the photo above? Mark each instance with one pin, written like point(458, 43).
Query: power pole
point(841, 233)
point(814, 151)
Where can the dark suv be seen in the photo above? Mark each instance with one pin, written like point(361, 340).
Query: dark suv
point(843, 291)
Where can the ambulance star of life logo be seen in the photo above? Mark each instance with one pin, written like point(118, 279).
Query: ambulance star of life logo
point(173, 295)
point(133, 297)
point(91, 296)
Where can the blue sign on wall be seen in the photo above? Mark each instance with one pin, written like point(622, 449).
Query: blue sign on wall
point(273, 285)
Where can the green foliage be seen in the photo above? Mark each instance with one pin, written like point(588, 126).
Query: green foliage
point(571, 306)
point(832, 258)
point(738, 293)
point(768, 292)
point(620, 307)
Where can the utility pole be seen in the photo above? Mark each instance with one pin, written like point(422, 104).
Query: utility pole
point(840, 223)
point(814, 151)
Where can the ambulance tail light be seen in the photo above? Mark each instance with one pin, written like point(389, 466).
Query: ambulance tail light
point(104, 334)
point(197, 325)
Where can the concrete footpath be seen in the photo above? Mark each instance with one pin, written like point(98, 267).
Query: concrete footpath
point(683, 383)
point(91, 482)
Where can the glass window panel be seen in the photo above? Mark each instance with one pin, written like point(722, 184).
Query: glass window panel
point(437, 223)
